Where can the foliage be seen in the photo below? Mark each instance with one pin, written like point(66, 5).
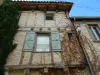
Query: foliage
point(9, 14)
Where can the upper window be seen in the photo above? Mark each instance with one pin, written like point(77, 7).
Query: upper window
point(94, 29)
point(43, 43)
point(49, 16)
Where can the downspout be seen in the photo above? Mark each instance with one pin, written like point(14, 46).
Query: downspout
point(84, 52)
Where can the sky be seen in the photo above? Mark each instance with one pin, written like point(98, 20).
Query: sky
point(83, 7)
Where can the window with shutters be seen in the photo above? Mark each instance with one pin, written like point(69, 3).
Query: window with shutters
point(45, 42)
point(94, 31)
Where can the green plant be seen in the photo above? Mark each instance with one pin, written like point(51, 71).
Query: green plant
point(9, 15)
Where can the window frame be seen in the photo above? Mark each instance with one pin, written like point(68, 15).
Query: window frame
point(93, 34)
point(36, 43)
point(72, 36)
point(52, 16)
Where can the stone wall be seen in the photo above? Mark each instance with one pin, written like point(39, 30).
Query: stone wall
point(34, 21)
point(94, 45)
point(37, 19)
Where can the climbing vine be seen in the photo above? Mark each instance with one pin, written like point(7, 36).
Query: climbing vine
point(9, 15)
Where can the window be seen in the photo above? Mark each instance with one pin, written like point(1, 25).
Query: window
point(43, 43)
point(95, 31)
point(49, 16)
point(70, 36)
point(40, 42)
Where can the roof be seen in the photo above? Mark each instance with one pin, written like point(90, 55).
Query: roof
point(85, 18)
point(45, 5)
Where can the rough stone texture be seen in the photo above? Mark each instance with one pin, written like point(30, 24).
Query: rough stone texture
point(41, 58)
point(77, 71)
point(36, 58)
point(94, 44)
point(54, 29)
point(57, 58)
point(14, 57)
point(31, 19)
point(61, 20)
point(23, 19)
point(47, 58)
point(24, 29)
point(17, 72)
point(86, 33)
point(26, 58)
point(35, 72)
point(37, 19)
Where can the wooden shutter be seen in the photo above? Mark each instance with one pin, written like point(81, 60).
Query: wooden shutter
point(56, 44)
point(29, 41)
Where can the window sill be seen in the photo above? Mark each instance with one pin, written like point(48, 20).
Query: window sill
point(41, 52)
point(97, 41)
point(50, 20)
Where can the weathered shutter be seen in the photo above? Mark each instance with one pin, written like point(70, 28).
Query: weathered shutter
point(56, 44)
point(29, 41)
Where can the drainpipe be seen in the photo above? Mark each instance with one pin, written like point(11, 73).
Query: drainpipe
point(84, 52)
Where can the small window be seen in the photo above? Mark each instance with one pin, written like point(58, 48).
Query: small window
point(94, 29)
point(70, 36)
point(43, 43)
point(49, 16)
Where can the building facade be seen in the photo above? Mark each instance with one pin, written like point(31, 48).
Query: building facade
point(47, 42)
point(90, 36)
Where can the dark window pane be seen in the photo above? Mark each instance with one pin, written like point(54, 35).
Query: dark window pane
point(70, 36)
point(49, 16)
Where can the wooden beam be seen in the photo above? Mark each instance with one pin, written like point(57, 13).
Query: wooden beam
point(34, 66)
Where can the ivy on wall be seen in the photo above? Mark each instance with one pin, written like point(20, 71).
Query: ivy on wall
point(9, 16)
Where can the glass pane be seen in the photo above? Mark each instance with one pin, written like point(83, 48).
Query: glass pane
point(42, 42)
point(49, 16)
point(97, 33)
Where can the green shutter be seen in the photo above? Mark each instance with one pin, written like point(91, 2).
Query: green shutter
point(29, 41)
point(56, 44)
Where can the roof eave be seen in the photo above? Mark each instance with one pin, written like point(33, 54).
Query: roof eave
point(45, 6)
